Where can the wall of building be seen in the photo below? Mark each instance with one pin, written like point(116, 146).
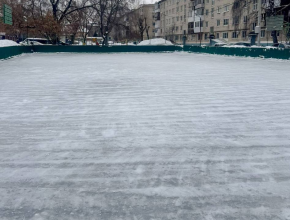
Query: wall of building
point(200, 19)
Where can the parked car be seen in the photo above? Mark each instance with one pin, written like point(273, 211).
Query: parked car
point(280, 45)
point(242, 44)
point(220, 44)
point(40, 41)
point(35, 41)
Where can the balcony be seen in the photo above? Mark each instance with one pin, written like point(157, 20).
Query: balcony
point(157, 32)
point(190, 19)
point(157, 16)
point(157, 24)
point(191, 31)
point(200, 5)
point(198, 30)
point(157, 10)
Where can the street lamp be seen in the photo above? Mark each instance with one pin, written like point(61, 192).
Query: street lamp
point(195, 15)
point(164, 26)
point(26, 19)
point(258, 28)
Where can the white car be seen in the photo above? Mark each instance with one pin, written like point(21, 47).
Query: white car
point(35, 41)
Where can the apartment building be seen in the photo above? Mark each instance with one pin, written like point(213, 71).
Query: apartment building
point(232, 22)
point(201, 20)
point(129, 25)
point(171, 19)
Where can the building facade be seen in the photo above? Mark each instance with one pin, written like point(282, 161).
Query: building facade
point(171, 19)
point(130, 25)
point(228, 21)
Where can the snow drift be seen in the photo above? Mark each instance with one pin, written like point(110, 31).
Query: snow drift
point(8, 43)
point(157, 41)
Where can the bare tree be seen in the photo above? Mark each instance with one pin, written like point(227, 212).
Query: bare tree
point(108, 11)
point(87, 20)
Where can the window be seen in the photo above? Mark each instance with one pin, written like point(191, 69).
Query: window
point(176, 28)
point(218, 22)
point(225, 35)
point(226, 22)
point(205, 36)
point(245, 19)
point(219, 10)
point(244, 34)
point(199, 36)
point(206, 12)
point(177, 18)
point(236, 20)
point(212, 2)
point(212, 12)
point(255, 7)
point(226, 8)
point(217, 35)
point(263, 33)
point(197, 24)
point(234, 34)
point(180, 18)
point(206, 23)
point(253, 26)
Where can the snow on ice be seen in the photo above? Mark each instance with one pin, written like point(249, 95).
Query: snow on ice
point(144, 136)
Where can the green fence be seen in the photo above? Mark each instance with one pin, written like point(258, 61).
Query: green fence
point(111, 49)
point(6, 52)
point(245, 52)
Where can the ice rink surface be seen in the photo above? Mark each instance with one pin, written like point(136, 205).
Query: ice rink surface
point(144, 137)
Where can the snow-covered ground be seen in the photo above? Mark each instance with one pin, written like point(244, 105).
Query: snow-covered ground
point(144, 136)
point(8, 43)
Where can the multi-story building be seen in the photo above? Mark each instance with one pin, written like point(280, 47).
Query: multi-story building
point(157, 21)
point(173, 19)
point(201, 20)
point(130, 24)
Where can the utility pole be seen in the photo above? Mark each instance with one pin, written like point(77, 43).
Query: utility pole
point(259, 21)
point(271, 12)
point(200, 35)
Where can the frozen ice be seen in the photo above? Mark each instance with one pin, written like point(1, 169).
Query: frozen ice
point(144, 136)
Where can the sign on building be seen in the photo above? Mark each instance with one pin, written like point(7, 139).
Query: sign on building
point(275, 23)
point(7, 14)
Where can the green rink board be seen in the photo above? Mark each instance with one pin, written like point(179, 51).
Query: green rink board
point(245, 52)
point(7, 52)
point(111, 49)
